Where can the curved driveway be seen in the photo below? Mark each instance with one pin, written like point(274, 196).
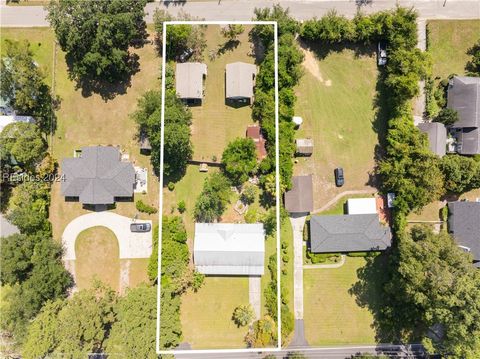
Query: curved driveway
point(131, 245)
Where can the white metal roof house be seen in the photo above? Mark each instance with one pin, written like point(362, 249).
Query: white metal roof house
point(362, 206)
point(229, 249)
point(240, 81)
point(6, 120)
point(189, 81)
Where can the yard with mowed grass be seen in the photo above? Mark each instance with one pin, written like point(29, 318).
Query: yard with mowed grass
point(214, 123)
point(448, 43)
point(206, 316)
point(331, 315)
point(88, 119)
point(336, 99)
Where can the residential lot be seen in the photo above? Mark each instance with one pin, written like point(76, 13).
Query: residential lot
point(206, 315)
point(337, 101)
point(215, 124)
point(331, 315)
point(86, 119)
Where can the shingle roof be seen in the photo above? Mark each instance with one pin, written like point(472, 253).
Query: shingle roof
point(437, 136)
point(98, 176)
point(464, 97)
point(189, 80)
point(300, 198)
point(468, 141)
point(464, 224)
point(348, 233)
point(253, 132)
point(229, 249)
point(240, 80)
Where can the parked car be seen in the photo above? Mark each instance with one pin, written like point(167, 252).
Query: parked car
point(140, 227)
point(339, 179)
point(184, 56)
point(382, 53)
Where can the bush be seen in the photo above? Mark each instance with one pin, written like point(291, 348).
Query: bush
point(181, 206)
point(171, 186)
point(447, 116)
point(251, 216)
point(359, 254)
point(145, 208)
point(249, 194)
point(243, 315)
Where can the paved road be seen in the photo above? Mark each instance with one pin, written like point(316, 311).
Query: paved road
point(31, 16)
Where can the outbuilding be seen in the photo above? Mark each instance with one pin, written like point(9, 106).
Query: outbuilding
point(189, 78)
point(304, 146)
point(240, 82)
point(362, 206)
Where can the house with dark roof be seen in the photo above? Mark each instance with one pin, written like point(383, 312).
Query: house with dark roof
point(98, 176)
point(464, 225)
point(189, 78)
point(348, 233)
point(240, 81)
point(464, 97)
point(254, 132)
point(437, 136)
point(229, 249)
point(299, 199)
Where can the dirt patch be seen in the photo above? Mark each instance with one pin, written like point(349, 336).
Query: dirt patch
point(311, 65)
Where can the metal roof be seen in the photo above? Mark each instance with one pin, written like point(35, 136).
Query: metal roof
point(229, 249)
point(437, 136)
point(240, 80)
point(348, 233)
point(189, 80)
point(464, 225)
point(304, 146)
point(362, 205)
point(98, 176)
point(300, 198)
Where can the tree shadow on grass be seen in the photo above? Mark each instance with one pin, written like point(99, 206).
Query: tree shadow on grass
point(107, 90)
point(322, 50)
point(229, 45)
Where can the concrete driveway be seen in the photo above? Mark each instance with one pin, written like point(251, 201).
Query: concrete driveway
point(131, 245)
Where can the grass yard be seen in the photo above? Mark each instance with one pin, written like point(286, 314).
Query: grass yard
point(206, 315)
point(331, 315)
point(97, 254)
point(336, 98)
point(286, 234)
point(448, 43)
point(214, 123)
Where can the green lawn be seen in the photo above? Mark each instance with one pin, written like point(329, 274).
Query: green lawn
point(286, 234)
point(97, 254)
point(214, 123)
point(336, 98)
point(331, 315)
point(448, 42)
point(206, 315)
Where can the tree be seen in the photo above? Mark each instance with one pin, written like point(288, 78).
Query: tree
point(447, 116)
point(170, 325)
point(15, 255)
point(232, 31)
point(435, 283)
point(22, 84)
point(473, 66)
point(197, 282)
point(461, 173)
point(243, 315)
point(331, 28)
point(134, 331)
point(264, 333)
point(239, 159)
point(25, 143)
point(96, 35)
point(213, 199)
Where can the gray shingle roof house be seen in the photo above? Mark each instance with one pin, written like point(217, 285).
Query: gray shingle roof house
point(300, 198)
point(464, 225)
point(304, 146)
point(98, 176)
point(348, 233)
point(240, 80)
point(437, 136)
point(229, 249)
point(464, 97)
point(189, 80)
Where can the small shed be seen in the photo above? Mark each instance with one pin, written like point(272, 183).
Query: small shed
point(254, 132)
point(297, 120)
point(304, 146)
point(145, 147)
point(362, 206)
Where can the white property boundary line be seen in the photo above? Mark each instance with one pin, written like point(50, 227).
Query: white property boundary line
point(277, 194)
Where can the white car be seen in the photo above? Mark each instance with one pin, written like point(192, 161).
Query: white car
point(382, 53)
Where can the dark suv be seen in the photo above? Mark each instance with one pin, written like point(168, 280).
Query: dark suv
point(140, 227)
point(339, 179)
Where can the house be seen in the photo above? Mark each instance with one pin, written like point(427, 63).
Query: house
point(437, 136)
point(348, 233)
point(300, 198)
point(362, 205)
point(304, 146)
point(253, 132)
point(7, 228)
point(189, 81)
point(464, 225)
point(6, 120)
point(240, 81)
point(98, 176)
point(464, 97)
point(229, 249)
